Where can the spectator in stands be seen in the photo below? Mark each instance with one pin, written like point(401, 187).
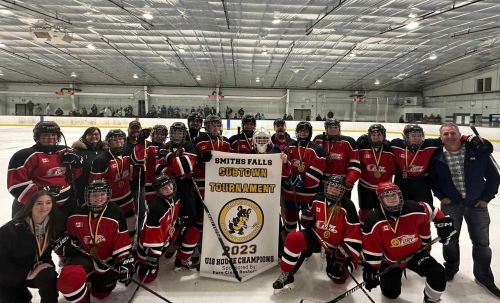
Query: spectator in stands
point(262, 116)
point(257, 116)
point(438, 118)
point(401, 119)
point(93, 110)
point(30, 106)
point(107, 112)
point(84, 111)
point(59, 112)
point(48, 110)
point(229, 111)
point(318, 118)
point(330, 114)
point(38, 110)
point(289, 117)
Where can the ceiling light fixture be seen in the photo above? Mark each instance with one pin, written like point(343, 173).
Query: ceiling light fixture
point(412, 15)
point(319, 80)
point(6, 12)
point(412, 25)
point(352, 54)
point(198, 78)
point(276, 21)
point(1, 73)
point(257, 79)
point(433, 57)
point(426, 72)
point(276, 17)
point(264, 52)
point(73, 74)
point(147, 16)
point(2, 45)
point(89, 21)
point(135, 76)
point(377, 82)
point(91, 46)
point(181, 50)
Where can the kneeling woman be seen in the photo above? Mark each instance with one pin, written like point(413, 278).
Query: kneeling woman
point(25, 251)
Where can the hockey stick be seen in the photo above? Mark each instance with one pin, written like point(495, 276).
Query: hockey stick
point(217, 233)
point(139, 283)
point(386, 270)
point(473, 127)
point(344, 253)
point(137, 288)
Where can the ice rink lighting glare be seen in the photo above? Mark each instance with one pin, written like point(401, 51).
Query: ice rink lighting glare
point(198, 77)
point(6, 12)
point(276, 20)
point(73, 74)
point(90, 46)
point(412, 25)
point(433, 56)
point(377, 82)
point(319, 80)
point(135, 76)
point(147, 16)
point(257, 79)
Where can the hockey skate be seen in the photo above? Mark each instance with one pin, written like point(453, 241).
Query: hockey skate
point(183, 265)
point(429, 300)
point(284, 282)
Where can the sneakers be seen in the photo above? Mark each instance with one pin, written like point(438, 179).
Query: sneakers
point(492, 288)
point(284, 281)
point(183, 265)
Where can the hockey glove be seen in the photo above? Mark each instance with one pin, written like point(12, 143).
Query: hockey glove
point(71, 158)
point(446, 230)
point(162, 153)
point(419, 260)
point(53, 190)
point(338, 264)
point(126, 269)
point(370, 276)
point(307, 219)
point(143, 135)
point(65, 246)
point(482, 146)
point(206, 156)
point(297, 181)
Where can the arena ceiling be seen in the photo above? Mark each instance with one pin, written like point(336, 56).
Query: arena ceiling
point(405, 45)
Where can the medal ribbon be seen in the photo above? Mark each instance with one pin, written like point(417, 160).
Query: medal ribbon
point(298, 152)
point(120, 170)
point(395, 229)
point(377, 160)
point(246, 139)
point(412, 160)
point(93, 235)
point(41, 244)
point(218, 144)
point(327, 222)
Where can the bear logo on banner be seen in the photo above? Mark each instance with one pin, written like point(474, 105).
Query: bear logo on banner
point(241, 220)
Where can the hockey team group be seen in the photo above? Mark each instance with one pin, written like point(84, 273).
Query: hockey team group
point(110, 207)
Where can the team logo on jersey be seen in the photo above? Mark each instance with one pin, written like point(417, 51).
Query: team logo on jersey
point(55, 171)
point(241, 220)
point(88, 240)
point(374, 168)
point(335, 156)
point(403, 241)
point(415, 169)
point(78, 224)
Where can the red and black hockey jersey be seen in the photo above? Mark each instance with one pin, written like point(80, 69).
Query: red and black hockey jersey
point(414, 163)
point(32, 168)
point(381, 243)
point(112, 240)
point(282, 144)
point(342, 157)
point(179, 161)
point(159, 229)
point(146, 156)
point(344, 228)
point(242, 144)
point(117, 171)
point(205, 143)
point(377, 165)
point(307, 160)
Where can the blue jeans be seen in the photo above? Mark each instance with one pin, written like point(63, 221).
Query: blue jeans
point(478, 224)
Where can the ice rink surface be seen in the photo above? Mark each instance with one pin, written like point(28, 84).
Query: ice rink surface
point(311, 280)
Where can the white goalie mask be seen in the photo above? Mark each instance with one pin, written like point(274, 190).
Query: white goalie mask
point(261, 139)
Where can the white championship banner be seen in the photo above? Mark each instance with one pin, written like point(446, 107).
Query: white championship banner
point(242, 193)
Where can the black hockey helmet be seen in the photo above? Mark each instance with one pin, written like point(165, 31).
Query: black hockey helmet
point(279, 122)
point(304, 125)
point(161, 181)
point(387, 189)
point(178, 133)
point(45, 127)
point(409, 129)
point(248, 119)
point(159, 130)
point(376, 128)
point(112, 134)
point(332, 122)
point(212, 120)
point(334, 188)
point(195, 116)
point(97, 186)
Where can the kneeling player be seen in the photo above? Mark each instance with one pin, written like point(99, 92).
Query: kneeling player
point(98, 228)
point(331, 223)
point(397, 229)
point(159, 231)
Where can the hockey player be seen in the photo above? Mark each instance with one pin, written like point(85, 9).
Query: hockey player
point(332, 223)
point(161, 227)
point(212, 139)
point(134, 129)
point(413, 154)
point(146, 153)
point(280, 136)
point(308, 164)
point(377, 165)
point(397, 229)
point(98, 228)
point(195, 121)
point(264, 145)
point(116, 169)
point(45, 165)
point(342, 156)
point(242, 143)
point(178, 162)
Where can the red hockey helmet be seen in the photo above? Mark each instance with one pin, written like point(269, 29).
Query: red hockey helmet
point(390, 197)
